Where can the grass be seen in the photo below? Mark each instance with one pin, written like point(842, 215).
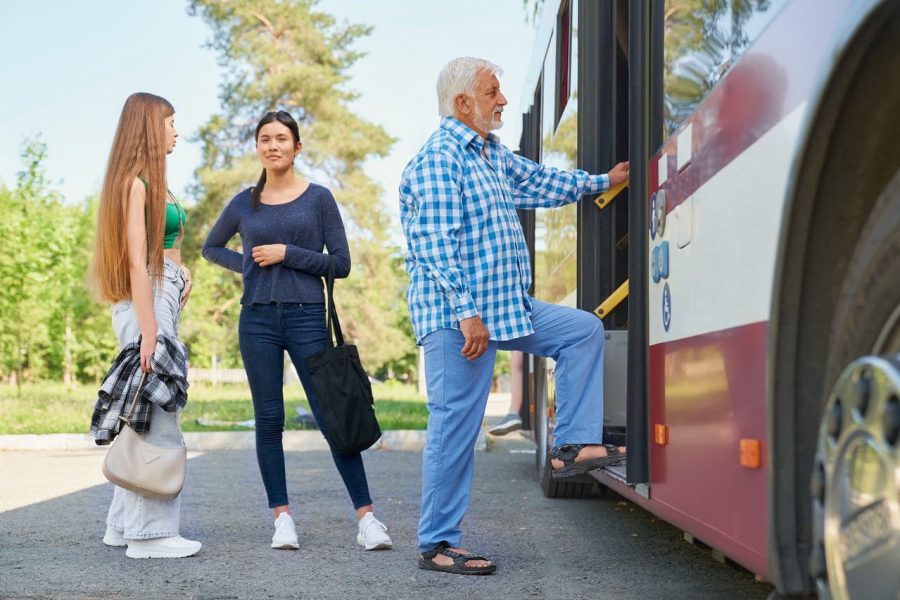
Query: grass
point(54, 408)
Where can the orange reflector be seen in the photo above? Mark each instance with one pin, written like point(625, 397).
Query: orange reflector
point(751, 453)
point(661, 434)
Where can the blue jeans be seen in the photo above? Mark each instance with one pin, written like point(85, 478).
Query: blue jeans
point(457, 395)
point(265, 331)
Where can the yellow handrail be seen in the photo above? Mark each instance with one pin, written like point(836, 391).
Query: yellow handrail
point(609, 195)
point(613, 301)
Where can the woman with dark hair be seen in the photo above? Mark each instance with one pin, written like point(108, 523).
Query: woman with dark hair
point(285, 223)
point(137, 268)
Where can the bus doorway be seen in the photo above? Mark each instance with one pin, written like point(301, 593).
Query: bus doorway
point(579, 119)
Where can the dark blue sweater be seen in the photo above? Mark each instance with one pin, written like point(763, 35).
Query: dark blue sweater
point(307, 225)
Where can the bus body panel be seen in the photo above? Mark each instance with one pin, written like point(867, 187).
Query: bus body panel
point(708, 319)
point(709, 339)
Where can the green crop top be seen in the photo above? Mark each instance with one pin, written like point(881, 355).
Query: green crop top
point(175, 219)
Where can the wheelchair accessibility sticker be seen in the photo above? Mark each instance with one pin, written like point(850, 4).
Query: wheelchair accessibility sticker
point(666, 307)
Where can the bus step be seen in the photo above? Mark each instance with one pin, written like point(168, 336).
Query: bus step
point(616, 471)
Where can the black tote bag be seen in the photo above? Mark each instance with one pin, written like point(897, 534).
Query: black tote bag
point(342, 387)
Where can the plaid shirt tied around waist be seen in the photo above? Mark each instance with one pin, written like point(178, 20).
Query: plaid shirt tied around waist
point(166, 386)
point(466, 252)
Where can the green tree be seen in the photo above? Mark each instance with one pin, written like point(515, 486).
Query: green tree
point(286, 54)
point(50, 326)
point(30, 249)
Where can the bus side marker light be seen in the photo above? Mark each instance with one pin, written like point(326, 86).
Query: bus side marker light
point(751, 453)
point(661, 434)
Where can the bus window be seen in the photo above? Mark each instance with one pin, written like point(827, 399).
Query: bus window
point(556, 230)
point(548, 91)
point(702, 40)
point(564, 53)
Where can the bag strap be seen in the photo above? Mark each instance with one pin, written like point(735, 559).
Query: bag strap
point(137, 394)
point(333, 324)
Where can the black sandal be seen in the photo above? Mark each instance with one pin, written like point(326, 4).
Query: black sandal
point(571, 468)
point(459, 562)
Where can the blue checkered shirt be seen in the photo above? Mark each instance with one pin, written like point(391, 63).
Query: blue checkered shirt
point(466, 253)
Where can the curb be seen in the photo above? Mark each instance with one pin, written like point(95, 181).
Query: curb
point(406, 440)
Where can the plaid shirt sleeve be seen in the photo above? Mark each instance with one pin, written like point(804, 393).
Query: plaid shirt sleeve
point(433, 198)
point(539, 186)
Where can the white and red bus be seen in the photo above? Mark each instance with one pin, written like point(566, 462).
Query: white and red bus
point(748, 277)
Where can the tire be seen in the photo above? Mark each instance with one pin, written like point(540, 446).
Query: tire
point(860, 424)
point(575, 487)
point(870, 295)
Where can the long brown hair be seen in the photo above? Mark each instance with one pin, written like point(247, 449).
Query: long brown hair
point(138, 150)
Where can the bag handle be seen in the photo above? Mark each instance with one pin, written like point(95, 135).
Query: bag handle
point(333, 324)
point(137, 394)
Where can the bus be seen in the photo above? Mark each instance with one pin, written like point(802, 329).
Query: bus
point(748, 277)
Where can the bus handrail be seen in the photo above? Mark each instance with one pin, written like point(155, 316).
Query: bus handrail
point(608, 305)
point(604, 199)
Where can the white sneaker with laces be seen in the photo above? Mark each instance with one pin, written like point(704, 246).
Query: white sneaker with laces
point(285, 537)
point(508, 424)
point(373, 534)
point(167, 547)
point(114, 538)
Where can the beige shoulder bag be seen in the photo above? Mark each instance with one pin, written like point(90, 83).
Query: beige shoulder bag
point(143, 468)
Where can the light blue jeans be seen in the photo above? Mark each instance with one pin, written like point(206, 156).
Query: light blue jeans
point(133, 515)
point(457, 396)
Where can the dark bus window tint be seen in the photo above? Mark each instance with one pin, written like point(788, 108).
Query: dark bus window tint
point(564, 55)
point(702, 40)
point(548, 90)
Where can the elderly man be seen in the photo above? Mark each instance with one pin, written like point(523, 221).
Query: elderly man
point(469, 275)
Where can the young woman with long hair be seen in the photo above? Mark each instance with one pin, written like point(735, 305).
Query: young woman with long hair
point(285, 223)
point(137, 268)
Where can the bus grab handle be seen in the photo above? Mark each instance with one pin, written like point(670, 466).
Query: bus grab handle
point(613, 301)
point(603, 200)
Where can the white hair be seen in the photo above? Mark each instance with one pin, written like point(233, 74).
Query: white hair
point(458, 77)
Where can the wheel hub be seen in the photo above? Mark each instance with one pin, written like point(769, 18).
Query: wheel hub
point(855, 484)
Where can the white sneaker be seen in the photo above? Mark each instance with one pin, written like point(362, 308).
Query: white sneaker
point(114, 538)
point(508, 424)
point(285, 537)
point(373, 534)
point(167, 547)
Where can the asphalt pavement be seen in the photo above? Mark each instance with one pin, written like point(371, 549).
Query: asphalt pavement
point(53, 505)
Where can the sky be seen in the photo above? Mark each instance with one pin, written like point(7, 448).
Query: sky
point(66, 68)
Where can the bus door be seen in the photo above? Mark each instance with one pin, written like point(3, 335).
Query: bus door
point(603, 239)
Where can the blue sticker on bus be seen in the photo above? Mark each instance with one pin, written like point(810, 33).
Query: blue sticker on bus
point(663, 258)
point(653, 216)
point(666, 307)
point(654, 265)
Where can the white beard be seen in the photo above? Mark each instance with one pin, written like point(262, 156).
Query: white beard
point(489, 124)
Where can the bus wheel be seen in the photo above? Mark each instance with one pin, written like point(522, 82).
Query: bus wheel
point(576, 487)
point(855, 482)
point(855, 485)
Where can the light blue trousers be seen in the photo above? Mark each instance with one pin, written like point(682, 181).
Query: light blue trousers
point(457, 395)
point(133, 515)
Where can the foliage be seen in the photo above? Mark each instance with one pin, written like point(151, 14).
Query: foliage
point(50, 326)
